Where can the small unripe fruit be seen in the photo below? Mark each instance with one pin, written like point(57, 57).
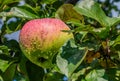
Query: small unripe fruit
point(40, 39)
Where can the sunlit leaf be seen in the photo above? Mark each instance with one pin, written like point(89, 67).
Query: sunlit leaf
point(48, 1)
point(53, 77)
point(4, 65)
point(1, 79)
point(96, 75)
point(62, 64)
point(9, 1)
point(68, 14)
point(93, 10)
point(19, 12)
point(113, 21)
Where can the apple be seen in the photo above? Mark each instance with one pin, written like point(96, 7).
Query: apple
point(41, 39)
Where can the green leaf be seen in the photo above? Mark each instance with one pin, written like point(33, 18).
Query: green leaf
point(35, 73)
point(93, 10)
point(96, 75)
point(70, 59)
point(13, 26)
point(4, 2)
point(19, 12)
point(22, 67)
point(48, 1)
point(4, 65)
point(13, 45)
point(1, 79)
point(119, 54)
point(113, 21)
point(4, 49)
point(81, 72)
point(9, 73)
point(62, 64)
point(113, 74)
point(31, 9)
point(102, 33)
point(67, 13)
point(116, 41)
point(53, 77)
point(5, 59)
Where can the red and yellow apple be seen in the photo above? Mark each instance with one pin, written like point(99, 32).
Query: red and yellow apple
point(40, 40)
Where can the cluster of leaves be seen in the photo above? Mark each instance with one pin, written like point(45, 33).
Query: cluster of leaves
point(93, 54)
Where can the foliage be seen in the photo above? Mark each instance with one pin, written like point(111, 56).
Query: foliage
point(93, 54)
